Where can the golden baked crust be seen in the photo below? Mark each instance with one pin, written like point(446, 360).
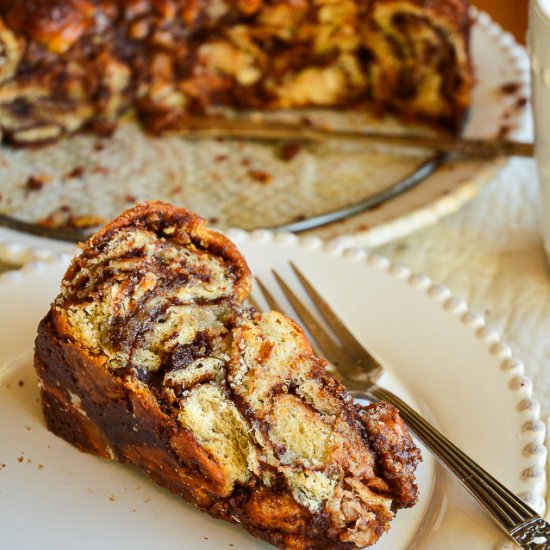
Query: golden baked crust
point(86, 63)
point(149, 356)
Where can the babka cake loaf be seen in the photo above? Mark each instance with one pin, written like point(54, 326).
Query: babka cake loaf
point(71, 64)
point(149, 355)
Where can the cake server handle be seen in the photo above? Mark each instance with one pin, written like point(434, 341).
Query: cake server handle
point(265, 130)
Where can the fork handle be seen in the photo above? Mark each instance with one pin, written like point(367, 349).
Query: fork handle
point(519, 521)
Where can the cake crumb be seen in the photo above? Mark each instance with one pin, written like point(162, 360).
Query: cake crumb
point(20, 459)
point(100, 170)
point(521, 102)
point(82, 222)
point(35, 183)
point(289, 151)
point(503, 131)
point(260, 176)
point(76, 172)
point(40, 466)
point(510, 88)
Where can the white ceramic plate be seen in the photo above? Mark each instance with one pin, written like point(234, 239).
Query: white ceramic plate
point(498, 103)
point(461, 375)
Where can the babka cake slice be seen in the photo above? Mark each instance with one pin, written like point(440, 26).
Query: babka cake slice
point(149, 355)
point(72, 64)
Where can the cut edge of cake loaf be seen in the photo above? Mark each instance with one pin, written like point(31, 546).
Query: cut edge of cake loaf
point(68, 65)
point(148, 355)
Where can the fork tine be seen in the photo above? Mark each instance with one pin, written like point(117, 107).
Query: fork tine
point(352, 345)
point(269, 298)
point(331, 350)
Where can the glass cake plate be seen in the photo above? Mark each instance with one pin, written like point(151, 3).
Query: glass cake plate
point(65, 190)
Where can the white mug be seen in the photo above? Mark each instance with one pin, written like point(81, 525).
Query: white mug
point(539, 49)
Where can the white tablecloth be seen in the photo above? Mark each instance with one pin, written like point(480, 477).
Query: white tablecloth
point(490, 254)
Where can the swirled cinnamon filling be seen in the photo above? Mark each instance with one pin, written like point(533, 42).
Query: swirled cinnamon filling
point(72, 64)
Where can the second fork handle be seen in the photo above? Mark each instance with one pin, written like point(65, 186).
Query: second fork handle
point(517, 519)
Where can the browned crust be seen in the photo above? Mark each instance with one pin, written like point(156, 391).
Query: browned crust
point(157, 216)
point(114, 408)
point(57, 24)
point(396, 454)
point(42, 20)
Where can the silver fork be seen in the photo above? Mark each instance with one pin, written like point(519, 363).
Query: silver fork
point(359, 371)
